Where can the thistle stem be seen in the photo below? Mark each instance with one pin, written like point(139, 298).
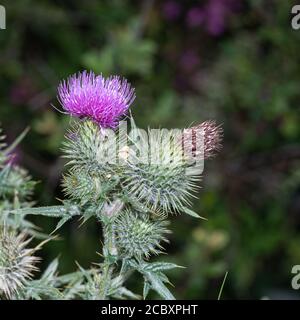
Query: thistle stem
point(109, 259)
point(110, 252)
point(105, 280)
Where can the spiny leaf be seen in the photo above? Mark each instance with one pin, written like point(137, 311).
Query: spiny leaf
point(49, 211)
point(146, 289)
point(49, 273)
point(61, 222)
point(192, 213)
point(123, 293)
point(160, 266)
point(158, 286)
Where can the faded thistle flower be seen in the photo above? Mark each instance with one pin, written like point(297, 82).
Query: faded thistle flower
point(212, 135)
point(16, 262)
point(103, 100)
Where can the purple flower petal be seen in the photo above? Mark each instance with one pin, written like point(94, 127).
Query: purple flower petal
point(104, 100)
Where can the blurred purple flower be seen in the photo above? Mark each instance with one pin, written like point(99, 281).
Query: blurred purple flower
point(216, 14)
point(102, 100)
point(195, 17)
point(189, 60)
point(22, 91)
point(212, 15)
point(171, 10)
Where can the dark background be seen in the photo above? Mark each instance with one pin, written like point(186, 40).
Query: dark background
point(236, 61)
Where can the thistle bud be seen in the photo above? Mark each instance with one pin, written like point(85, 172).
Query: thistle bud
point(16, 262)
point(138, 236)
point(17, 181)
point(212, 136)
point(163, 185)
point(81, 186)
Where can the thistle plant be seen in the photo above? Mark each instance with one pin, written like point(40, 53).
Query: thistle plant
point(18, 259)
point(16, 189)
point(131, 183)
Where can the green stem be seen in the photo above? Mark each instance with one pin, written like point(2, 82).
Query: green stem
point(107, 267)
point(105, 280)
point(110, 257)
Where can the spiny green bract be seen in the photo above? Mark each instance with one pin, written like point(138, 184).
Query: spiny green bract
point(82, 142)
point(138, 235)
point(165, 181)
point(161, 185)
point(87, 186)
point(16, 262)
point(16, 182)
point(16, 188)
point(88, 146)
point(92, 176)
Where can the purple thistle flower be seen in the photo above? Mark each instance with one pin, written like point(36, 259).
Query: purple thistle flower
point(87, 95)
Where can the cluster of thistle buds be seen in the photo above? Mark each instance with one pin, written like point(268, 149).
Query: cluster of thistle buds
point(131, 182)
point(17, 261)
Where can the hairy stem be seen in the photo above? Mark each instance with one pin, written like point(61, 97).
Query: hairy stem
point(109, 259)
point(110, 252)
point(105, 280)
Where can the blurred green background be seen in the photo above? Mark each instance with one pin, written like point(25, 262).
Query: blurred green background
point(236, 61)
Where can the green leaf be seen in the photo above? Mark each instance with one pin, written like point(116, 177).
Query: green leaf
point(50, 211)
point(42, 289)
point(61, 222)
point(153, 276)
point(71, 277)
point(125, 293)
point(164, 278)
point(146, 289)
point(158, 286)
point(192, 213)
point(134, 265)
point(160, 266)
point(49, 273)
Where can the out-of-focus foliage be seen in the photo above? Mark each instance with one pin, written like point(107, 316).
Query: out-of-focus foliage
point(233, 60)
